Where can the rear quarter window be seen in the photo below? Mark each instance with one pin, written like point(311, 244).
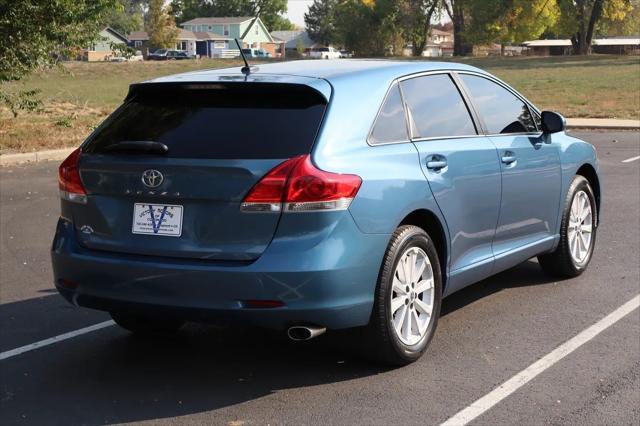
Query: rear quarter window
point(390, 125)
point(232, 121)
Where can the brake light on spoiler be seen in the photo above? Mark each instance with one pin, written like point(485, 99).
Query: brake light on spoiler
point(296, 185)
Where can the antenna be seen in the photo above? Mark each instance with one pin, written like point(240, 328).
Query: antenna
point(246, 70)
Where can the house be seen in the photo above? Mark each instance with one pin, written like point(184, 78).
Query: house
point(186, 41)
point(292, 39)
point(438, 36)
point(613, 45)
point(617, 45)
point(103, 48)
point(220, 32)
point(439, 43)
point(548, 47)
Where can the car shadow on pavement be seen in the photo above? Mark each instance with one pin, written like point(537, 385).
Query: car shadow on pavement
point(112, 376)
point(524, 275)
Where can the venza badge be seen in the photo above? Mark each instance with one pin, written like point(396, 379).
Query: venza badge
point(152, 178)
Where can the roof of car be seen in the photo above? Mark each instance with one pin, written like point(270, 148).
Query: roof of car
point(333, 69)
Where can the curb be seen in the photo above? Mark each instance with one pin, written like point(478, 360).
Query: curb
point(602, 123)
point(35, 157)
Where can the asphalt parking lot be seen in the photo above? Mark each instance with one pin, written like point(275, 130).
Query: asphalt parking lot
point(488, 333)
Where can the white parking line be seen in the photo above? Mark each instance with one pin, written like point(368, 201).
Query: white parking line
point(483, 404)
point(54, 339)
point(628, 160)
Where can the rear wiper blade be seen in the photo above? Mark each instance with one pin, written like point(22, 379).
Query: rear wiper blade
point(139, 147)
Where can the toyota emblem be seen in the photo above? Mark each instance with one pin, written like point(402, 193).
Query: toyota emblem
point(152, 178)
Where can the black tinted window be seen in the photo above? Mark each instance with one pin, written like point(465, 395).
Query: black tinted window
point(501, 110)
point(391, 125)
point(217, 121)
point(436, 107)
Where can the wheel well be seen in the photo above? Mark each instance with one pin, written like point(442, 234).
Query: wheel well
point(432, 226)
point(589, 173)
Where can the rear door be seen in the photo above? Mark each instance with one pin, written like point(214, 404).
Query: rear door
point(531, 177)
point(462, 168)
point(220, 138)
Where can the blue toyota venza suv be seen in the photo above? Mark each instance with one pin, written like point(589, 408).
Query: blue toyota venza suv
point(308, 195)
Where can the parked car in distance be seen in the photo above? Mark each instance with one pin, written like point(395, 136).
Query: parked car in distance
point(136, 57)
point(355, 194)
point(346, 54)
point(256, 53)
point(324, 53)
point(169, 54)
point(158, 55)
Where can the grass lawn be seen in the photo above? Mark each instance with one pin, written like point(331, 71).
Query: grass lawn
point(79, 96)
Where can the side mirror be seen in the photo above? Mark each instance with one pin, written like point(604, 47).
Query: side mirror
point(552, 122)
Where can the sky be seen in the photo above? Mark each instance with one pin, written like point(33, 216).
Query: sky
point(296, 11)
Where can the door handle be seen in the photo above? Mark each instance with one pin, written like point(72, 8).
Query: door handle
point(436, 162)
point(508, 157)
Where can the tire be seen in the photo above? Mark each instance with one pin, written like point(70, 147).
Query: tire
point(563, 261)
point(383, 342)
point(140, 324)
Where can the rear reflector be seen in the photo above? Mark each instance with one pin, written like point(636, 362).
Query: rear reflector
point(298, 186)
point(68, 284)
point(262, 304)
point(69, 181)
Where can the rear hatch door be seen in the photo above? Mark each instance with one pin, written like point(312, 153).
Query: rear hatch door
point(220, 140)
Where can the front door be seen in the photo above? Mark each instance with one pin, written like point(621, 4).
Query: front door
point(462, 169)
point(531, 178)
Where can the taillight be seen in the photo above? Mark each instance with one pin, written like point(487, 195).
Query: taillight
point(69, 182)
point(298, 186)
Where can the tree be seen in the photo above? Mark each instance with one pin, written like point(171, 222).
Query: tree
point(32, 30)
point(36, 33)
point(161, 26)
point(270, 11)
point(300, 47)
point(509, 21)
point(127, 16)
point(280, 23)
point(458, 11)
point(415, 20)
point(579, 18)
point(367, 27)
point(320, 21)
point(628, 26)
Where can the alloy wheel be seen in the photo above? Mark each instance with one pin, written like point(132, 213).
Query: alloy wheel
point(580, 227)
point(412, 296)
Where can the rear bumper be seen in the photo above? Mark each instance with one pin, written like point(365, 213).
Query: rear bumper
point(326, 278)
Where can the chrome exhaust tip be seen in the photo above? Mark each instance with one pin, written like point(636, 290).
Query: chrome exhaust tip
point(299, 333)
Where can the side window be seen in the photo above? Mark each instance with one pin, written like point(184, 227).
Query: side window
point(390, 125)
point(501, 111)
point(437, 108)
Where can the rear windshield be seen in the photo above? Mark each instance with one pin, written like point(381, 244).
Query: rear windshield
point(232, 121)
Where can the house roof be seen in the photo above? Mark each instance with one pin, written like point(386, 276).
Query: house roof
point(435, 31)
point(116, 34)
point(548, 43)
point(209, 36)
point(182, 35)
point(218, 20)
point(138, 35)
point(617, 41)
point(291, 38)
